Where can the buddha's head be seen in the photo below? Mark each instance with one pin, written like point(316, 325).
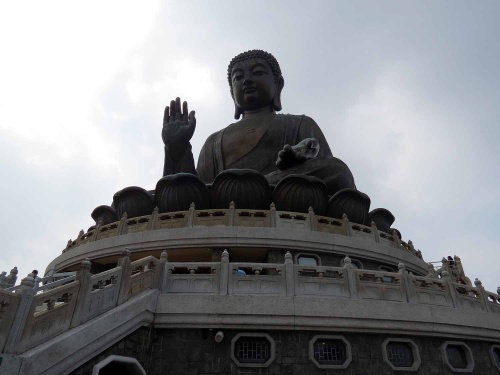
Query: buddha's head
point(255, 81)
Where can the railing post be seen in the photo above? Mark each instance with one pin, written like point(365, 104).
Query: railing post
point(83, 277)
point(376, 235)
point(96, 232)
point(397, 240)
point(453, 293)
point(224, 273)
point(79, 238)
point(190, 220)
point(408, 285)
point(12, 278)
point(347, 226)
point(231, 213)
point(484, 297)
point(164, 272)
point(311, 216)
point(153, 220)
point(124, 262)
point(122, 227)
point(351, 277)
point(26, 292)
point(290, 282)
point(272, 214)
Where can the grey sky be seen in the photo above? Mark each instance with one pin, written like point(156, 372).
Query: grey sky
point(406, 93)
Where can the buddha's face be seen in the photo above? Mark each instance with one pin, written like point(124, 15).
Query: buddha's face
point(253, 84)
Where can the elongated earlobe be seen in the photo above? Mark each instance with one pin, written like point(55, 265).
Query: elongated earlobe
point(237, 111)
point(277, 97)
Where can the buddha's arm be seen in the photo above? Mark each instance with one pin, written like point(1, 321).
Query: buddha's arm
point(184, 163)
point(207, 163)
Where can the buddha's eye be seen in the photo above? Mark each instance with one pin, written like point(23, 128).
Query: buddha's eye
point(259, 73)
point(237, 77)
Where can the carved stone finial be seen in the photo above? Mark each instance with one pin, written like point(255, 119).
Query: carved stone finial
point(401, 267)
point(231, 205)
point(86, 264)
point(272, 206)
point(125, 252)
point(478, 283)
point(155, 210)
point(14, 271)
point(445, 275)
point(344, 217)
point(28, 281)
point(347, 262)
point(311, 210)
point(164, 256)
point(124, 216)
point(288, 256)
point(373, 224)
point(225, 255)
point(192, 206)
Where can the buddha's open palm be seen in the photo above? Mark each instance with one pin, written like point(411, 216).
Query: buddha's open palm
point(293, 155)
point(178, 127)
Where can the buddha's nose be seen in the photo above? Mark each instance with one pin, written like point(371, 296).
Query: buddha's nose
point(247, 82)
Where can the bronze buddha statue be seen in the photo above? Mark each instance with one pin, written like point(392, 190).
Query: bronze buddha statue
point(273, 144)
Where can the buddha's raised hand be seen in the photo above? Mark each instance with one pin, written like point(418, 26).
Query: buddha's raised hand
point(178, 127)
point(293, 155)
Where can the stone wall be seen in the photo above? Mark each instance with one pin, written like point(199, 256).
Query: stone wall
point(195, 352)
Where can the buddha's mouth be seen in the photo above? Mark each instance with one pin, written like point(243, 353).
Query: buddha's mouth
point(249, 90)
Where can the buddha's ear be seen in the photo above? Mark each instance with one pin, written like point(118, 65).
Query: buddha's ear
point(237, 110)
point(277, 96)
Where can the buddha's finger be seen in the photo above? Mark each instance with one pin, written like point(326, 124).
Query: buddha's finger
point(172, 111)
point(185, 111)
point(165, 115)
point(178, 110)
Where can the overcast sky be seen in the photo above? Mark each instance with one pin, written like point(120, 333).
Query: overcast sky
point(406, 92)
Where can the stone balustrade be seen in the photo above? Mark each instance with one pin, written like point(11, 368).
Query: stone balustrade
point(32, 315)
point(244, 218)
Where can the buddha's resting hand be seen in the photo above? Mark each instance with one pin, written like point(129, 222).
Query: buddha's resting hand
point(178, 127)
point(293, 155)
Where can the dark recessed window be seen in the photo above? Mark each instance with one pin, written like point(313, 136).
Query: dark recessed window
point(330, 352)
point(252, 350)
point(456, 356)
point(400, 354)
point(496, 355)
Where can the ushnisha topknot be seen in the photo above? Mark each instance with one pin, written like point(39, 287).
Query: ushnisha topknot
point(253, 54)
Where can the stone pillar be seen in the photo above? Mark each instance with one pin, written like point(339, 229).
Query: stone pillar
point(153, 220)
point(351, 277)
point(231, 213)
point(224, 273)
point(376, 235)
point(346, 226)
point(83, 277)
point(190, 219)
point(289, 275)
point(484, 297)
point(96, 232)
point(407, 284)
point(397, 240)
point(311, 216)
point(26, 292)
point(164, 272)
point(453, 293)
point(122, 227)
point(272, 214)
point(124, 263)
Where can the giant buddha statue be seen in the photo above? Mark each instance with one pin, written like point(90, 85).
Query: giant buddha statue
point(276, 145)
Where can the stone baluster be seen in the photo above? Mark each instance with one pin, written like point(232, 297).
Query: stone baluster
point(346, 225)
point(397, 240)
point(289, 275)
point(231, 213)
point(124, 263)
point(411, 247)
point(190, 219)
point(3, 280)
point(351, 277)
point(311, 216)
point(122, 227)
point(153, 220)
point(483, 296)
point(83, 277)
point(97, 229)
point(26, 292)
point(431, 272)
point(272, 214)
point(163, 272)
point(407, 281)
point(224, 273)
point(453, 293)
point(376, 235)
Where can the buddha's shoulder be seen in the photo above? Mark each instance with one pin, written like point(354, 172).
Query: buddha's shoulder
point(295, 119)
